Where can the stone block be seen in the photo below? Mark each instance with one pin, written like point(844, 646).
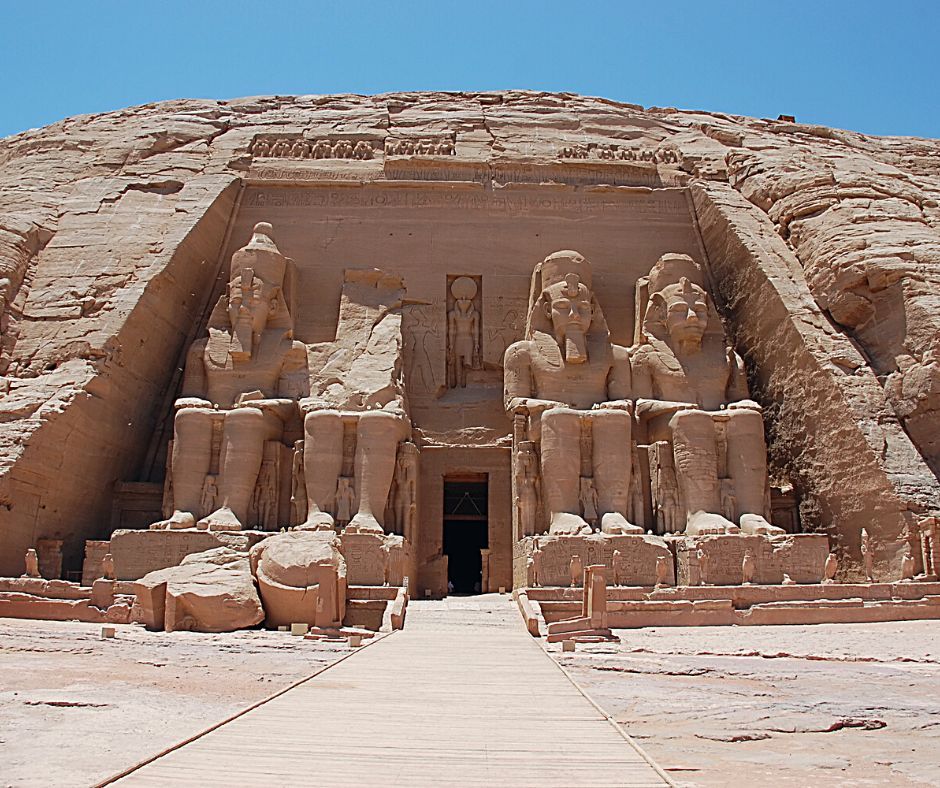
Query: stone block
point(718, 559)
point(137, 553)
point(635, 565)
point(211, 591)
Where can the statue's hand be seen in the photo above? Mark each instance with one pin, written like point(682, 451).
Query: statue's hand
point(614, 404)
point(530, 405)
point(649, 408)
point(279, 407)
point(191, 402)
point(744, 404)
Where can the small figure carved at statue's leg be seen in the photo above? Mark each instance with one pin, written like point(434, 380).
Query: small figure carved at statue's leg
point(323, 464)
point(561, 471)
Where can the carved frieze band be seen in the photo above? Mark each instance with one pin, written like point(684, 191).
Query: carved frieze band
point(616, 153)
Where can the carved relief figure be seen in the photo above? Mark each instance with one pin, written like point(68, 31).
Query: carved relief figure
point(246, 376)
point(406, 487)
point(868, 556)
point(662, 571)
point(107, 567)
point(691, 392)
point(831, 568)
point(298, 494)
point(576, 571)
point(665, 488)
point(463, 332)
point(588, 500)
point(345, 500)
point(527, 492)
point(565, 372)
point(210, 495)
point(421, 340)
point(32, 563)
point(747, 568)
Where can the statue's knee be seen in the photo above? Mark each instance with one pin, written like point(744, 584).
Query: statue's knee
point(191, 420)
point(318, 420)
point(244, 421)
point(691, 421)
point(746, 422)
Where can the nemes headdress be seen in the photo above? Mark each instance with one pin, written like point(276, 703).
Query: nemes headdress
point(565, 266)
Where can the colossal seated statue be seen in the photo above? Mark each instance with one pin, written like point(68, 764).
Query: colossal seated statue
point(355, 423)
point(692, 396)
point(242, 383)
point(571, 387)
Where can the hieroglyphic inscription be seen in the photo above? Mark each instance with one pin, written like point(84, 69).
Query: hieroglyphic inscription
point(802, 557)
point(669, 203)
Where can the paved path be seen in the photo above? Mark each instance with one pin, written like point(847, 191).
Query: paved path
point(463, 696)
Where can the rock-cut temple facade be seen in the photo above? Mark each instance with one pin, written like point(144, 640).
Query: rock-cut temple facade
point(300, 359)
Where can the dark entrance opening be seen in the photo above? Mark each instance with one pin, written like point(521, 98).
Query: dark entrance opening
point(465, 532)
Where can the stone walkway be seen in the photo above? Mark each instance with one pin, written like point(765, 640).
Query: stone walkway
point(463, 696)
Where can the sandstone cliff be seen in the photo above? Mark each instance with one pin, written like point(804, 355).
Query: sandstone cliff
point(823, 247)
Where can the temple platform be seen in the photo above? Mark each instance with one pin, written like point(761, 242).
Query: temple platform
point(743, 605)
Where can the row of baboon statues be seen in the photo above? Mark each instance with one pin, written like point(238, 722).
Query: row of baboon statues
point(284, 148)
point(579, 406)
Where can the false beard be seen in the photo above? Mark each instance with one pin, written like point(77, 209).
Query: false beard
point(575, 347)
point(241, 344)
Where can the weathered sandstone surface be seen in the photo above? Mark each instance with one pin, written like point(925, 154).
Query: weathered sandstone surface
point(208, 592)
point(822, 248)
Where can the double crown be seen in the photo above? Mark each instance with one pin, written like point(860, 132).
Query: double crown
point(262, 256)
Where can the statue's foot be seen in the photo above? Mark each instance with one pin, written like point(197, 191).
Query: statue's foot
point(616, 523)
point(707, 523)
point(364, 524)
point(222, 519)
point(177, 521)
point(567, 524)
point(316, 521)
point(755, 524)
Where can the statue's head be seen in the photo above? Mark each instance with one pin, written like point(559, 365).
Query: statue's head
point(256, 296)
point(686, 311)
point(563, 305)
point(251, 302)
point(464, 290)
point(678, 306)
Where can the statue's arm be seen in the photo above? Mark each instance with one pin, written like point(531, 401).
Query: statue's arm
point(517, 380)
point(645, 390)
point(738, 395)
point(195, 386)
point(294, 381)
point(619, 381)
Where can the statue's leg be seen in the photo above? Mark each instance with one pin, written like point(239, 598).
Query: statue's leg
point(243, 435)
point(192, 450)
point(323, 464)
point(378, 436)
point(747, 467)
point(610, 431)
point(561, 470)
point(696, 463)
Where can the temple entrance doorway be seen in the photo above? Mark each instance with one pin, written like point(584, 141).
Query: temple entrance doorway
point(466, 532)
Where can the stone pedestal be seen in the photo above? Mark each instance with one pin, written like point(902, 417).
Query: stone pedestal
point(375, 559)
point(138, 552)
point(551, 558)
point(717, 560)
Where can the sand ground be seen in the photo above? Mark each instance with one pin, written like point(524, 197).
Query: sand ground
point(75, 709)
point(823, 705)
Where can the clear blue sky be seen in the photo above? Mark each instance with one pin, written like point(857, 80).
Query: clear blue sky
point(863, 65)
